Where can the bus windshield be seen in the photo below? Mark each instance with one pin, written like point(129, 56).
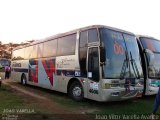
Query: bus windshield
point(154, 46)
point(4, 62)
point(122, 55)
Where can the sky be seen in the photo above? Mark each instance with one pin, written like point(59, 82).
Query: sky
point(23, 20)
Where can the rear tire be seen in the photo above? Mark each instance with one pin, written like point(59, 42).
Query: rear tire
point(76, 91)
point(23, 80)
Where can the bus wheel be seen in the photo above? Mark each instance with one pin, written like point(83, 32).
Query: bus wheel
point(76, 91)
point(23, 80)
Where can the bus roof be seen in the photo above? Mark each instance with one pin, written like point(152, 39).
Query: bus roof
point(71, 32)
point(144, 36)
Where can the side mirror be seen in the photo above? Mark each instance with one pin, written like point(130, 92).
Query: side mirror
point(102, 55)
point(150, 56)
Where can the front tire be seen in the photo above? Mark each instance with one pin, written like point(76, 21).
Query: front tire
point(23, 80)
point(76, 91)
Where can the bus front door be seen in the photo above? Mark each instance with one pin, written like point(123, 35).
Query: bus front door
point(93, 73)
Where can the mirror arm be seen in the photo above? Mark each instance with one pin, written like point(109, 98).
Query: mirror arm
point(102, 63)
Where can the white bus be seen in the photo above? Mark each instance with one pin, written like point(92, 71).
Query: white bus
point(96, 62)
point(150, 54)
point(3, 62)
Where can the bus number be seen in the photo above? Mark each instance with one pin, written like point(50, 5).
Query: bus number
point(118, 49)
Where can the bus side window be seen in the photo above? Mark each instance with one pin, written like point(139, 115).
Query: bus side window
point(34, 51)
point(66, 45)
point(150, 45)
point(28, 52)
point(92, 35)
point(83, 52)
point(50, 48)
point(93, 64)
point(40, 50)
point(18, 54)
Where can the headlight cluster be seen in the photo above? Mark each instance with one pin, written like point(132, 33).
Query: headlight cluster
point(153, 85)
point(112, 85)
point(139, 83)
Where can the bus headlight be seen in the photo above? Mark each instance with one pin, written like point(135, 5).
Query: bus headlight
point(153, 85)
point(139, 83)
point(115, 85)
point(106, 86)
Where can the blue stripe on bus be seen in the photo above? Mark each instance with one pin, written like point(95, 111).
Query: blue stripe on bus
point(20, 70)
point(69, 73)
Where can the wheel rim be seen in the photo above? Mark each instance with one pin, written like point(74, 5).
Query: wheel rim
point(77, 91)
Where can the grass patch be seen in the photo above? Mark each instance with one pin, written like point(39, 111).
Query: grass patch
point(12, 104)
point(8, 100)
point(135, 106)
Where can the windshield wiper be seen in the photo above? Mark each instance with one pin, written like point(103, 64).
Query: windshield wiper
point(125, 65)
point(134, 66)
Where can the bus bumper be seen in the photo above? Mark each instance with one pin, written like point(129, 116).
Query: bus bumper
point(121, 94)
point(152, 90)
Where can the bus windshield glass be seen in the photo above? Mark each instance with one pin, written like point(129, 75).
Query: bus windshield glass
point(122, 55)
point(151, 44)
point(134, 56)
point(154, 46)
point(4, 62)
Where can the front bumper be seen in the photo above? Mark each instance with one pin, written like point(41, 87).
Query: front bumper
point(121, 94)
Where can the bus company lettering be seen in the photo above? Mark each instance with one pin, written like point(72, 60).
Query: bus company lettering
point(65, 62)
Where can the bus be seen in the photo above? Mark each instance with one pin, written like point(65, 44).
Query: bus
point(149, 48)
point(95, 62)
point(3, 62)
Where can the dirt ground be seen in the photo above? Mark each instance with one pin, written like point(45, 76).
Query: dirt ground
point(44, 102)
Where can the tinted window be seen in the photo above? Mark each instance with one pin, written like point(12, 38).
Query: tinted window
point(18, 54)
point(122, 55)
point(133, 53)
point(152, 44)
point(114, 45)
point(93, 63)
point(154, 69)
point(92, 35)
point(4, 62)
point(40, 50)
point(34, 51)
point(83, 52)
point(66, 45)
point(28, 52)
point(83, 38)
point(50, 48)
